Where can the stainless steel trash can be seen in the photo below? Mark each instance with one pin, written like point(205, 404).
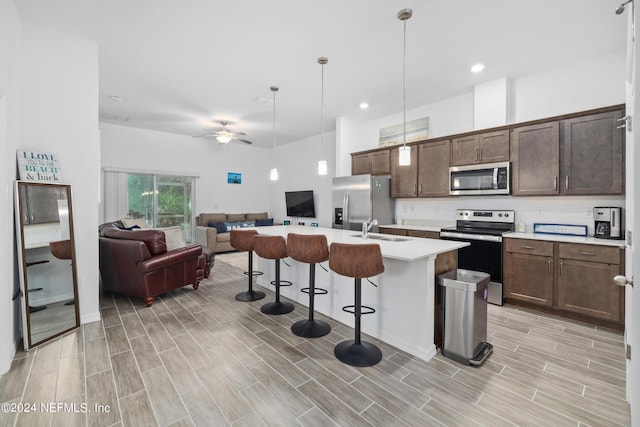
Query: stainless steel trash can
point(464, 294)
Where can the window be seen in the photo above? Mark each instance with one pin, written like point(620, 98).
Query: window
point(163, 200)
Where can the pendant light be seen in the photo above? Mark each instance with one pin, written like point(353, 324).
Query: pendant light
point(322, 164)
point(274, 170)
point(404, 157)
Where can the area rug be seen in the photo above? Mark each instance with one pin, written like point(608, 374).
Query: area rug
point(237, 259)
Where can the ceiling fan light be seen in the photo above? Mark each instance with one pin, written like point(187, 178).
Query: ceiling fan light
point(223, 137)
point(322, 167)
point(274, 174)
point(404, 156)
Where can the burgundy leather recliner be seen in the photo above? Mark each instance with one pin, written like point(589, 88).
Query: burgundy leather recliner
point(136, 263)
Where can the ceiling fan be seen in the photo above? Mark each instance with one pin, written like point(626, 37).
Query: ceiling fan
point(224, 135)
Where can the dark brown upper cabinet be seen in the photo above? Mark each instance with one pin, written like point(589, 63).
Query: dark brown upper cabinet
point(433, 169)
point(375, 163)
point(535, 159)
point(592, 154)
point(480, 148)
point(404, 179)
point(576, 156)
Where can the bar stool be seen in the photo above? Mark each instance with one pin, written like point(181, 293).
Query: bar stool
point(242, 240)
point(357, 261)
point(274, 247)
point(310, 249)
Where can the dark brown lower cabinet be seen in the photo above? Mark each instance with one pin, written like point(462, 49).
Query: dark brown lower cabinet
point(528, 271)
point(568, 279)
point(585, 282)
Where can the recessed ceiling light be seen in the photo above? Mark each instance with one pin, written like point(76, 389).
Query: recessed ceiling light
point(477, 68)
point(364, 105)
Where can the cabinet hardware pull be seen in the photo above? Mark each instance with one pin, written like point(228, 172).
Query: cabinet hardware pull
point(527, 247)
point(420, 189)
point(555, 183)
point(480, 153)
point(587, 253)
point(561, 268)
point(566, 182)
point(627, 123)
point(548, 267)
point(415, 188)
point(477, 154)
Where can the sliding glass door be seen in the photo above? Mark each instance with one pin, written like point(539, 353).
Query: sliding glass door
point(163, 200)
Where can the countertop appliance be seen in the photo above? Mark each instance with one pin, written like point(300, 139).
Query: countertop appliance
point(362, 198)
point(608, 222)
point(483, 229)
point(486, 178)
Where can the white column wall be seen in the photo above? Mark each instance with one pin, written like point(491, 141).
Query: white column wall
point(59, 114)
point(9, 137)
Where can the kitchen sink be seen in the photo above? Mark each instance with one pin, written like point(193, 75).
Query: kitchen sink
point(387, 237)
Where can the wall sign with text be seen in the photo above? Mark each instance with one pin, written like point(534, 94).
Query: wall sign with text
point(38, 166)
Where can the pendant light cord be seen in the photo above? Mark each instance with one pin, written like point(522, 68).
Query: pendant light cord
point(322, 110)
point(274, 89)
point(404, 86)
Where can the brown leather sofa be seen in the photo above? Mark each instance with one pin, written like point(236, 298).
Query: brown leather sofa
point(136, 263)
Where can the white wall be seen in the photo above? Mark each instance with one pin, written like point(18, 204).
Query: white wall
point(9, 137)
point(59, 114)
point(593, 83)
point(130, 148)
point(298, 170)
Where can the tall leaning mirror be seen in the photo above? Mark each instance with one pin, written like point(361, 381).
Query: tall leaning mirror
point(46, 252)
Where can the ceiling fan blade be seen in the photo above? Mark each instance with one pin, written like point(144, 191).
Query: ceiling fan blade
point(204, 135)
point(246, 141)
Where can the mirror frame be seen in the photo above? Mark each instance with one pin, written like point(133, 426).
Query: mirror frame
point(28, 341)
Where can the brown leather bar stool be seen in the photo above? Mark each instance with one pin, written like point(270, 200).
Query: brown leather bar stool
point(310, 249)
point(274, 247)
point(357, 261)
point(242, 240)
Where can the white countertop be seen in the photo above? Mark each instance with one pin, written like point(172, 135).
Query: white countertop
point(424, 225)
point(404, 248)
point(567, 239)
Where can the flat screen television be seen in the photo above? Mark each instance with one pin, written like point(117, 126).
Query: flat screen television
point(300, 204)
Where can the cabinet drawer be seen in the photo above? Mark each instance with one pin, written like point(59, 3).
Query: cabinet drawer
point(593, 253)
point(394, 231)
point(529, 246)
point(424, 234)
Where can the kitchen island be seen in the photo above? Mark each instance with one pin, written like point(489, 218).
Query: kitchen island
point(404, 298)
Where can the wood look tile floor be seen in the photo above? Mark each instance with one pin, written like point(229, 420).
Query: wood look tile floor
point(202, 358)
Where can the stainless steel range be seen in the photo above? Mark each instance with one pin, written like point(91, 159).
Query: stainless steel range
point(483, 229)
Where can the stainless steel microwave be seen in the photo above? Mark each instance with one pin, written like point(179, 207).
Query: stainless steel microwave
point(487, 178)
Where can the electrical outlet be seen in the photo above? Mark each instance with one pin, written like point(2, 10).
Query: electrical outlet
point(540, 212)
point(589, 213)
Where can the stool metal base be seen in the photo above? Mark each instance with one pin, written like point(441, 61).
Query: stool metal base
point(363, 354)
point(250, 296)
point(310, 328)
point(277, 307)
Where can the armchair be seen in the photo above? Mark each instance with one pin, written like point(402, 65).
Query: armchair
point(136, 263)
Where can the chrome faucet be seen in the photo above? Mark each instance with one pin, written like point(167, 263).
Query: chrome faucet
point(367, 226)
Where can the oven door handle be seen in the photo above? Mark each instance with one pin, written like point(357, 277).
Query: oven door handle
point(464, 236)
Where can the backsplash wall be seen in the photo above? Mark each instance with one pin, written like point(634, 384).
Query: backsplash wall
point(529, 210)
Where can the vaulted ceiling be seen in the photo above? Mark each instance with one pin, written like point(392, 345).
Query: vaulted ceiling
point(181, 66)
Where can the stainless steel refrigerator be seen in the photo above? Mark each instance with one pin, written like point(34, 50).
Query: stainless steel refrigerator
point(360, 198)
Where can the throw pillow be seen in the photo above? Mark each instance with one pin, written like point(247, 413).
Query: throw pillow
point(174, 237)
point(219, 226)
point(264, 222)
point(130, 222)
point(240, 224)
